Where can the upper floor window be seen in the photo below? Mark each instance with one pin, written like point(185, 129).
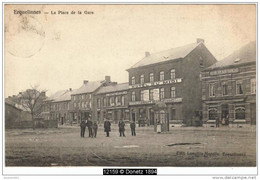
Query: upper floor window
point(82, 97)
point(98, 102)
point(161, 93)
point(123, 100)
point(161, 76)
point(151, 77)
point(90, 104)
point(172, 73)
point(104, 101)
point(239, 89)
point(82, 104)
point(142, 95)
point(173, 92)
point(253, 86)
point(133, 80)
point(151, 94)
point(224, 89)
point(142, 79)
point(133, 96)
point(211, 90)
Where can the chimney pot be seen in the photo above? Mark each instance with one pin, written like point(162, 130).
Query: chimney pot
point(85, 81)
point(70, 89)
point(147, 54)
point(107, 79)
point(200, 40)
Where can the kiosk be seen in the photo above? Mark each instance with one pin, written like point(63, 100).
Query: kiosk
point(161, 117)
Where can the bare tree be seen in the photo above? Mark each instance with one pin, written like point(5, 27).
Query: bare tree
point(31, 100)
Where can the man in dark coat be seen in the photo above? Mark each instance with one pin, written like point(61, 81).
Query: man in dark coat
point(89, 125)
point(217, 121)
point(82, 128)
point(121, 126)
point(132, 126)
point(107, 127)
point(95, 127)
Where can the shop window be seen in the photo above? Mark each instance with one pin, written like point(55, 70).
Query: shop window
point(133, 96)
point(151, 94)
point(161, 76)
point(161, 93)
point(133, 80)
point(213, 114)
point(211, 90)
point(239, 89)
point(253, 86)
point(173, 92)
point(240, 113)
point(151, 77)
point(172, 73)
point(142, 79)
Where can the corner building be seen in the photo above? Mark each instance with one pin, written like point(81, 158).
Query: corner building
point(171, 77)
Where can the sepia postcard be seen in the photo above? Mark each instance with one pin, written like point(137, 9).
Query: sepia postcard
point(130, 89)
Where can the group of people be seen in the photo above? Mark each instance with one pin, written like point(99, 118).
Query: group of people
point(92, 128)
point(224, 121)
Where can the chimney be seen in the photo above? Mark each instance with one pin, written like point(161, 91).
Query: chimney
point(43, 94)
point(107, 79)
point(85, 81)
point(200, 40)
point(20, 92)
point(70, 89)
point(147, 54)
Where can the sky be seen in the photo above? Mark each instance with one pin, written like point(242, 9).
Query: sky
point(59, 51)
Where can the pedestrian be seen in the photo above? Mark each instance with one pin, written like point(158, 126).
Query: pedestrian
point(217, 121)
point(95, 127)
point(82, 128)
point(107, 127)
point(89, 125)
point(132, 126)
point(227, 120)
point(121, 126)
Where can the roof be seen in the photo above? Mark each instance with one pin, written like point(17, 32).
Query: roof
point(245, 54)
point(171, 54)
point(88, 87)
point(113, 88)
point(65, 96)
point(12, 104)
point(55, 95)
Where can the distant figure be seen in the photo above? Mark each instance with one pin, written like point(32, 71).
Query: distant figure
point(82, 128)
point(217, 121)
point(95, 127)
point(121, 126)
point(89, 125)
point(107, 127)
point(132, 126)
point(227, 120)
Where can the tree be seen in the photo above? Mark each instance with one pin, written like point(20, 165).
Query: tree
point(31, 100)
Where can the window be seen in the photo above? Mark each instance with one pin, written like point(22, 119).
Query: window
point(82, 104)
point(90, 105)
point(75, 105)
point(111, 101)
point(173, 74)
point(173, 92)
point(253, 86)
point(142, 79)
point(118, 100)
point(142, 95)
point(224, 89)
point(90, 96)
point(239, 89)
point(82, 97)
point(133, 96)
point(161, 76)
point(213, 114)
point(161, 93)
point(151, 94)
point(104, 101)
point(211, 90)
point(98, 103)
point(133, 80)
point(123, 100)
point(151, 77)
point(240, 113)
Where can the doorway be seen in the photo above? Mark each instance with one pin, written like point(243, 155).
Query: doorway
point(151, 117)
point(133, 117)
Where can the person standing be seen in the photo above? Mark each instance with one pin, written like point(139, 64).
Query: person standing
point(132, 126)
point(217, 121)
point(82, 128)
point(95, 127)
point(89, 125)
point(107, 127)
point(121, 126)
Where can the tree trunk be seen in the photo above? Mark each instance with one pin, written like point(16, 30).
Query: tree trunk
point(33, 122)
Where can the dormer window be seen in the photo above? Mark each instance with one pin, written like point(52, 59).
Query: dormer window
point(133, 80)
point(161, 76)
point(172, 73)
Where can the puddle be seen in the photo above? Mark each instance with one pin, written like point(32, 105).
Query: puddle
point(181, 144)
point(128, 146)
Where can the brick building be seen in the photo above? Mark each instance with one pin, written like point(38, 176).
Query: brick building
point(83, 103)
point(112, 102)
point(229, 89)
point(171, 77)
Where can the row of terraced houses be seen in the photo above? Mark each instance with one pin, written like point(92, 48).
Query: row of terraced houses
point(192, 85)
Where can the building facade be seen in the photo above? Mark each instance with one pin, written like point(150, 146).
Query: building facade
point(171, 77)
point(229, 89)
point(112, 102)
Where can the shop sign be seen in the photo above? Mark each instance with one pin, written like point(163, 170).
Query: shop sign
point(224, 71)
point(171, 81)
point(117, 93)
point(170, 100)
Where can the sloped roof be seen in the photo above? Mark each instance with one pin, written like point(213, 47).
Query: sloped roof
point(245, 54)
point(56, 95)
point(170, 54)
point(89, 87)
point(66, 96)
point(113, 88)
